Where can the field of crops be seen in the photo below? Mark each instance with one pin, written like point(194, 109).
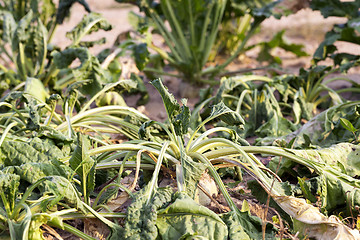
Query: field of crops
point(97, 143)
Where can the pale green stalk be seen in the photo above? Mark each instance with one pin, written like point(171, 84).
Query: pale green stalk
point(130, 147)
point(7, 129)
point(153, 181)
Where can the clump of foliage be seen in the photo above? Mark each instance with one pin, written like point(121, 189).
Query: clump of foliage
point(65, 166)
point(347, 32)
point(29, 56)
point(194, 26)
point(59, 160)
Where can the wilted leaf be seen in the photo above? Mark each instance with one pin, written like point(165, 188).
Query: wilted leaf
point(227, 115)
point(312, 223)
point(92, 22)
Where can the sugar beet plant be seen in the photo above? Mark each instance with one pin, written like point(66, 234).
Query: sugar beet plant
point(29, 56)
point(69, 166)
point(192, 32)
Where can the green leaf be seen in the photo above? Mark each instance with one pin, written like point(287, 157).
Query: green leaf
point(141, 217)
point(141, 54)
point(185, 217)
point(38, 46)
point(17, 153)
point(89, 70)
point(244, 226)
point(341, 153)
point(8, 26)
point(36, 89)
point(9, 185)
point(325, 129)
point(227, 115)
point(63, 189)
point(305, 188)
point(92, 22)
point(84, 165)
point(279, 41)
point(171, 105)
point(178, 116)
point(110, 98)
point(275, 127)
point(64, 9)
point(336, 8)
point(347, 125)
point(192, 172)
point(33, 122)
point(21, 34)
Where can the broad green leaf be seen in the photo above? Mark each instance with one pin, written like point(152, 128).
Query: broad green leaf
point(325, 129)
point(8, 26)
point(9, 185)
point(182, 120)
point(345, 154)
point(62, 188)
point(276, 126)
point(192, 172)
point(279, 41)
point(38, 46)
point(36, 89)
point(35, 232)
point(306, 190)
point(17, 153)
point(150, 130)
point(33, 122)
point(92, 22)
point(110, 98)
point(140, 88)
point(141, 218)
point(32, 172)
point(235, 228)
point(53, 134)
point(184, 216)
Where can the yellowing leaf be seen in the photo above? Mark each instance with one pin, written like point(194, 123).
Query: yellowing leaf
point(311, 223)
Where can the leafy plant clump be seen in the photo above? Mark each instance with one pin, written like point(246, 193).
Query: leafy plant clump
point(193, 30)
point(263, 158)
point(60, 171)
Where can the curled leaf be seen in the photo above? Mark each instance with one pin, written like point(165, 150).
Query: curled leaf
point(312, 223)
